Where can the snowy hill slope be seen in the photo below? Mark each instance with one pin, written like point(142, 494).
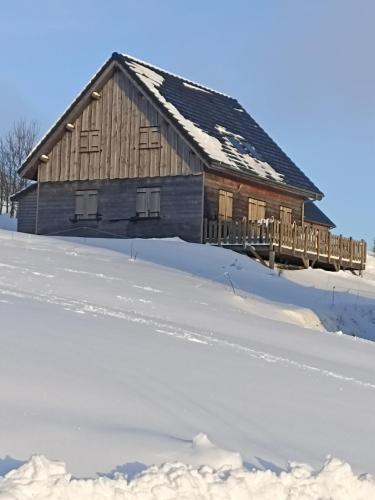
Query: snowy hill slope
point(113, 363)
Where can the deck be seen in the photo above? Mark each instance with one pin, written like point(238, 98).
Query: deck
point(288, 243)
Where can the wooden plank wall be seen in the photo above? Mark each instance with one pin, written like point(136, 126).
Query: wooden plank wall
point(242, 191)
point(118, 115)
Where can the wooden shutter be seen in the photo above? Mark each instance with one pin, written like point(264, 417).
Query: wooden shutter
point(149, 137)
point(89, 141)
point(229, 206)
point(91, 203)
point(84, 143)
point(154, 202)
point(154, 137)
point(86, 202)
point(141, 202)
point(80, 203)
point(286, 215)
point(222, 202)
point(225, 205)
point(143, 138)
point(257, 210)
point(148, 202)
point(94, 141)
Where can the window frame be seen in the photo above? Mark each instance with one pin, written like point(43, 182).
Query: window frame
point(286, 213)
point(148, 213)
point(89, 141)
point(257, 205)
point(226, 198)
point(85, 213)
point(149, 137)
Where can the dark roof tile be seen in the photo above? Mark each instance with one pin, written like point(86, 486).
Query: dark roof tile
point(220, 117)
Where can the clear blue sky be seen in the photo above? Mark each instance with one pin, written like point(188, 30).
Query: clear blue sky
point(304, 69)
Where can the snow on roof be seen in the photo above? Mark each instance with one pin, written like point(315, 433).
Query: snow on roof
point(153, 80)
point(216, 122)
point(222, 128)
point(223, 152)
point(194, 87)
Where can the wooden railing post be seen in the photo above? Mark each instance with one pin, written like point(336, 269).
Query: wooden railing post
point(364, 250)
point(329, 247)
point(281, 235)
point(351, 251)
point(317, 244)
point(244, 233)
point(306, 230)
point(340, 250)
point(294, 228)
point(219, 233)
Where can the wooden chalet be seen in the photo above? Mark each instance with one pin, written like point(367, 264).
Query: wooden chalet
point(145, 153)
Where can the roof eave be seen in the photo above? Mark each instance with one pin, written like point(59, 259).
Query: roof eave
point(229, 171)
point(330, 226)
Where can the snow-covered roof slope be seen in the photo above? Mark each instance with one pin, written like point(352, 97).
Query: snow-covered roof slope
point(221, 127)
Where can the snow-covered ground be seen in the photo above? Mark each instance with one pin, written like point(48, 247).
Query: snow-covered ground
point(7, 222)
point(120, 354)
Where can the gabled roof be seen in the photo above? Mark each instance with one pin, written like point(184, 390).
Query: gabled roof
point(220, 126)
point(227, 137)
point(313, 214)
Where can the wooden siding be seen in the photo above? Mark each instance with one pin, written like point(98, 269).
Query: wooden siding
point(116, 119)
point(242, 192)
point(180, 209)
point(26, 212)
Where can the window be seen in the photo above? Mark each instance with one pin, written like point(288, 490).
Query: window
point(148, 202)
point(149, 137)
point(86, 204)
point(286, 215)
point(225, 205)
point(90, 141)
point(257, 210)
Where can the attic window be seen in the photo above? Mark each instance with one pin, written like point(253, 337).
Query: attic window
point(244, 147)
point(149, 137)
point(89, 141)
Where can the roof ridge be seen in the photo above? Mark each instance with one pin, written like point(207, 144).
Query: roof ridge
point(157, 68)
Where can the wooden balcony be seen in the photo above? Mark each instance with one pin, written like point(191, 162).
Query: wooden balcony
point(289, 243)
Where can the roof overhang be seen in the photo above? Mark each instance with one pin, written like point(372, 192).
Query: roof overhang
point(228, 171)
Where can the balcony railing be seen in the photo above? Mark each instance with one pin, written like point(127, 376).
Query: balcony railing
point(309, 243)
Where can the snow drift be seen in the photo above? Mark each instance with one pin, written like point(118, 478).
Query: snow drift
point(114, 350)
point(44, 479)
